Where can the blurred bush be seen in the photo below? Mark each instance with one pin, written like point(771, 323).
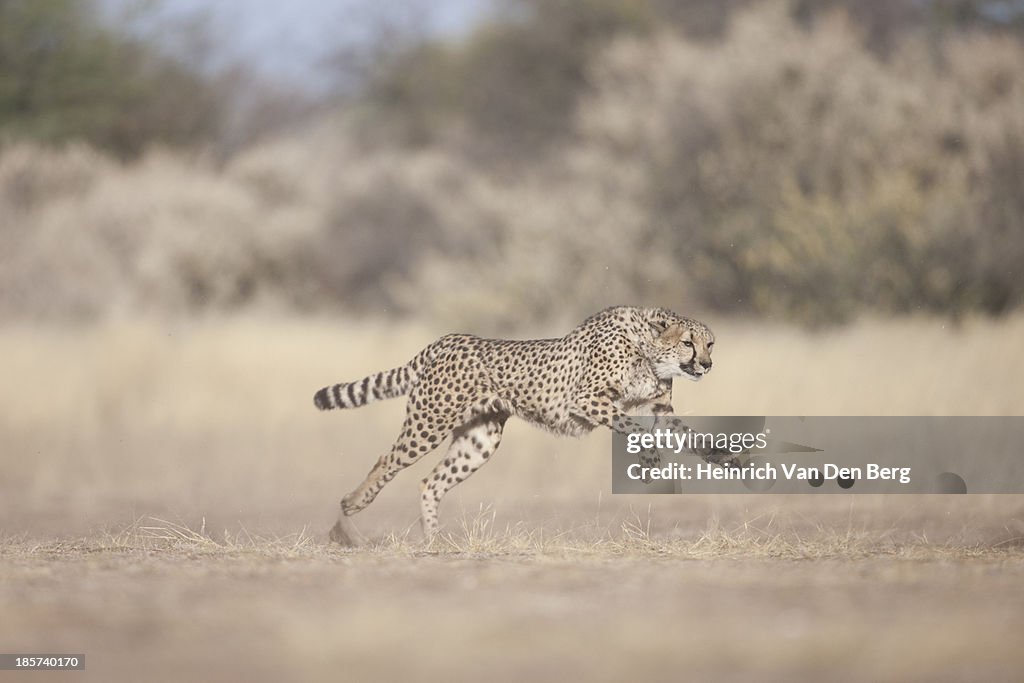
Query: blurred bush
point(798, 174)
point(509, 88)
point(780, 163)
point(65, 75)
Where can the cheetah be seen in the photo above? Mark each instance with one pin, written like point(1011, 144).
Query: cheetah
point(466, 387)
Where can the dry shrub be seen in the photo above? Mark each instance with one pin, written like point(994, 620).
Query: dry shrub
point(798, 174)
point(393, 212)
point(784, 170)
point(165, 235)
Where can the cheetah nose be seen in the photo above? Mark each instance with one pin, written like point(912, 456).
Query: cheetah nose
point(706, 365)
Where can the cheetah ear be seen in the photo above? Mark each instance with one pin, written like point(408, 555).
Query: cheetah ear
point(657, 327)
point(673, 333)
point(670, 334)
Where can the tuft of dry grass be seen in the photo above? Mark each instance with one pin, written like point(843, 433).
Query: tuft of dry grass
point(477, 536)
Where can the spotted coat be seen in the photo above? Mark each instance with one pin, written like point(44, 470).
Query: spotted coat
point(619, 360)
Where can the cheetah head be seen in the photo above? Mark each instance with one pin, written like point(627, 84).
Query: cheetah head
point(681, 348)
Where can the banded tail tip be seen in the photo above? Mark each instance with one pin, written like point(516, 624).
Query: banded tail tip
point(322, 399)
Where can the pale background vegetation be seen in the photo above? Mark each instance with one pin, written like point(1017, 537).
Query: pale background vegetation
point(784, 167)
point(188, 252)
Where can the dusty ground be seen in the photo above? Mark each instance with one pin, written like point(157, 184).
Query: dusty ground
point(272, 612)
point(166, 488)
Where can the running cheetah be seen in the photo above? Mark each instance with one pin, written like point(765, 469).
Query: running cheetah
point(618, 360)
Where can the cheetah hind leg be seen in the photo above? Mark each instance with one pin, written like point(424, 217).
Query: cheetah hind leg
point(407, 449)
point(472, 445)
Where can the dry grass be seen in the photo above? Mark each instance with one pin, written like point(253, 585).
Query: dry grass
point(167, 487)
point(477, 536)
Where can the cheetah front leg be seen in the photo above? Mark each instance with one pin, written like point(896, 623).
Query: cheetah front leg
point(602, 409)
point(472, 445)
point(660, 404)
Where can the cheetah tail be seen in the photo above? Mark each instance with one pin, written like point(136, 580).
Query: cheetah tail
point(376, 387)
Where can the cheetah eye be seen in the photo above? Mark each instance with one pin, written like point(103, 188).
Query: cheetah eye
point(688, 344)
point(710, 344)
